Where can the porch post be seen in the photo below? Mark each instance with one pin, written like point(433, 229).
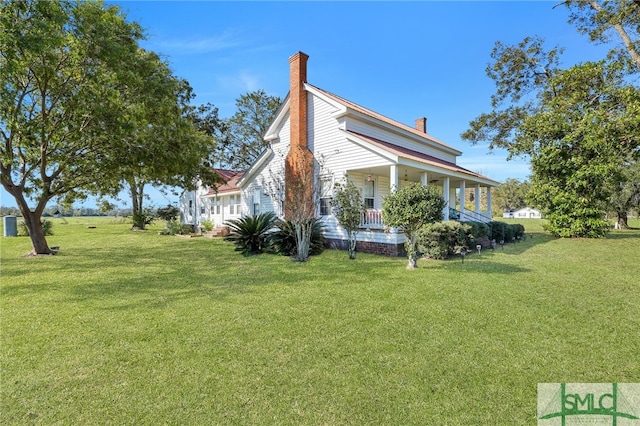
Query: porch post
point(463, 195)
point(424, 180)
point(477, 198)
point(393, 178)
point(489, 206)
point(446, 194)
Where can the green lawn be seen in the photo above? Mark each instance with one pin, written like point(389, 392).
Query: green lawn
point(129, 327)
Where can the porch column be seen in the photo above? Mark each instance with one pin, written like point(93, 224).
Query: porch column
point(393, 178)
point(446, 194)
point(424, 179)
point(463, 195)
point(489, 206)
point(477, 198)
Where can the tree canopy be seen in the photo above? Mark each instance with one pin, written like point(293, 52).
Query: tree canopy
point(410, 208)
point(348, 209)
point(577, 125)
point(83, 107)
point(243, 140)
point(511, 195)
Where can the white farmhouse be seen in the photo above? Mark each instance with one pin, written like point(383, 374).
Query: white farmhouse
point(523, 213)
point(217, 205)
point(348, 141)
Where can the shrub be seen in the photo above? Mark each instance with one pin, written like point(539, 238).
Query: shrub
point(142, 219)
point(249, 234)
point(47, 228)
point(505, 231)
point(497, 230)
point(173, 227)
point(207, 225)
point(283, 240)
point(441, 239)
point(168, 213)
point(479, 229)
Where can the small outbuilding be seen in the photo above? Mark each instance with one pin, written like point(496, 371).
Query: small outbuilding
point(523, 213)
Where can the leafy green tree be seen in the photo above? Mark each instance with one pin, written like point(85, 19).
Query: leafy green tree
point(206, 118)
point(410, 208)
point(348, 209)
point(575, 124)
point(626, 195)
point(597, 19)
point(62, 65)
point(165, 147)
point(106, 206)
point(245, 130)
point(510, 195)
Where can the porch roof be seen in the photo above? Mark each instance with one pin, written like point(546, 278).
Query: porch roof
point(230, 185)
point(421, 157)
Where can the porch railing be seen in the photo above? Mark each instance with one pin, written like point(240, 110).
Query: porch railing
point(468, 216)
point(372, 219)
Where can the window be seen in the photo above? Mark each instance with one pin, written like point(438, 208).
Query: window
point(326, 186)
point(257, 193)
point(234, 204)
point(369, 193)
point(218, 205)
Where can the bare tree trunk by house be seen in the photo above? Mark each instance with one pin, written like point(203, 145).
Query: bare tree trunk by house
point(352, 244)
point(412, 251)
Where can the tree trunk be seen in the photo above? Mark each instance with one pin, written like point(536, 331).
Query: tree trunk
point(412, 251)
point(622, 220)
point(136, 189)
point(352, 245)
point(303, 240)
point(34, 226)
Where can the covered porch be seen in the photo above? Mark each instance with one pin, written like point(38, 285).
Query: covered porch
point(467, 194)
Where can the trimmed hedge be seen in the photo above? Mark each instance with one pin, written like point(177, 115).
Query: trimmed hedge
point(441, 239)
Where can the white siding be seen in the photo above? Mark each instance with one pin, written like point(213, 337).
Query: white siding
point(330, 145)
point(391, 137)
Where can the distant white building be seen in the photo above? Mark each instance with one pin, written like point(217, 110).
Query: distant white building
point(523, 213)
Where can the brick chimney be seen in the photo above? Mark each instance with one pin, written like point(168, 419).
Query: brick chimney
point(421, 124)
point(298, 98)
point(299, 164)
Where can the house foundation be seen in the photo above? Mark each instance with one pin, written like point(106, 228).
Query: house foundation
point(385, 249)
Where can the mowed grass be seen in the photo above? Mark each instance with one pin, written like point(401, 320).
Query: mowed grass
point(129, 327)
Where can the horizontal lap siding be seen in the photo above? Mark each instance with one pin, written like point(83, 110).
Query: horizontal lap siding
point(329, 143)
point(391, 137)
point(271, 173)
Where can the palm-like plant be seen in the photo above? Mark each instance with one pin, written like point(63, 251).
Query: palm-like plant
point(249, 234)
point(283, 241)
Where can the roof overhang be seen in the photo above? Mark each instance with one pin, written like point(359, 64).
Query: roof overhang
point(408, 157)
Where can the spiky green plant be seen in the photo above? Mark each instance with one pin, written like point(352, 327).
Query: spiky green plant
point(249, 234)
point(283, 241)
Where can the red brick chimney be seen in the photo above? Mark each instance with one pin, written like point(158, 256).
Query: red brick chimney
point(421, 124)
point(299, 164)
point(298, 98)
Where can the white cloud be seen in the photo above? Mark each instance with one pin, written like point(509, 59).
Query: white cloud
point(215, 43)
point(240, 82)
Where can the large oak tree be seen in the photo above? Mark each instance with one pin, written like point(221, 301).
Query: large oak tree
point(577, 125)
point(82, 107)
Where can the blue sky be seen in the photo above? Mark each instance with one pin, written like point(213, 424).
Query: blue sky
point(401, 59)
